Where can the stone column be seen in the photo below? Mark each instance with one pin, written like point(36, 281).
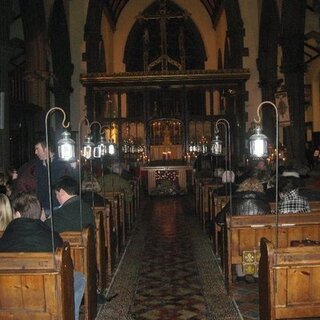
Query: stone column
point(5, 53)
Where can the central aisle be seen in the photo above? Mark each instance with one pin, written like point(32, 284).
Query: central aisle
point(168, 271)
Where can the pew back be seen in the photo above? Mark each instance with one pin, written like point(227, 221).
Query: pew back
point(314, 205)
point(36, 285)
point(83, 254)
point(109, 235)
point(243, 233)
point(119, 216)
point(289, 282)
point(101, 253)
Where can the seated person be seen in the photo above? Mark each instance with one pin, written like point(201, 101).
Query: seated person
point(249, 199)
point(290, 200)
point(5, 212)
point(27, 233)
point(90, 192)
point(67, 216)
point(113, 182)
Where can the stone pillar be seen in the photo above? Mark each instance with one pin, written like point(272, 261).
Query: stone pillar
point(5, 53)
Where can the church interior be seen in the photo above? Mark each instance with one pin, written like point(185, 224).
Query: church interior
point(174, 89)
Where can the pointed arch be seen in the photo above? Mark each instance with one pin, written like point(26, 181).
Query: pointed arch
point(235, 32)
point(146, 33)
point(62, 67)
point(93, 37)
point(268, 59)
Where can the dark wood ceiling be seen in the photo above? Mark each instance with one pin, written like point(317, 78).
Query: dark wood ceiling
point(115, 7)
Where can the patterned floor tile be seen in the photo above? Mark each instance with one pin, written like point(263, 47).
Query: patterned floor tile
point(168, 271)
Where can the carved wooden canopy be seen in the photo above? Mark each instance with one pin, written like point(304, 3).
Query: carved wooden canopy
point(126, 81)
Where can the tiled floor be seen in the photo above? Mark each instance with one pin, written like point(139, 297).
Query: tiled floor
point(168, 271)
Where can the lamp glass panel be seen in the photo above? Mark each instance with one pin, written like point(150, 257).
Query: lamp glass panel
point(66, 147)
point(101, 149)
point(111, 148)
point(97, 152)
point(258, 145)
point(216, 146)
point(87, 150)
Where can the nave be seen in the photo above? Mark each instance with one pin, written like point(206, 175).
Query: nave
point(168, 271)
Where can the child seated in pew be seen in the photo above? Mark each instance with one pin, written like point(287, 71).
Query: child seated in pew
point(27, 233)
point(290, 200)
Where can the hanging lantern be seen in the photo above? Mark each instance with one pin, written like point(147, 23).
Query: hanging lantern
point(258, 144)
point(66, 147)
point(101, 149)
point(216, 146)
point(87, 148)
point(111, 148)
point(191, 147)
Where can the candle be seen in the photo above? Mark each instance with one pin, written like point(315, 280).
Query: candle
point(169, 155)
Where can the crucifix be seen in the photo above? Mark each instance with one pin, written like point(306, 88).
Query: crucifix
point(164, 59)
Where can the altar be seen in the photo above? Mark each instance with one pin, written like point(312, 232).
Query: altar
point(166, 152)
point(167, 180)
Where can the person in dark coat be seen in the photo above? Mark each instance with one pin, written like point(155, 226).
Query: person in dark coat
point(249, 199)
point(58, 169)
point(67, 216)
point(28, 233)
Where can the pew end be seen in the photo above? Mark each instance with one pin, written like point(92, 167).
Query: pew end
point(289, 282)
point(83, 254)
point(37, 285)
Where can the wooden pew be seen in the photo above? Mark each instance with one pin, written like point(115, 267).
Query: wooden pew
point(314, 205)
point(109, 235)
point(83, 254)
point(36, 285)
point(119, 216)
point(215, 205)
point(133, 207)
point(204, 186)
point(101, 253)
point(289, 282)
point(243, 233)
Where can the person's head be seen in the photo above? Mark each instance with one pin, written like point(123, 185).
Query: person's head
point(65, 188)
point(26, 205)
point(251, 184)
point(40, 149)
point(116, 168)
point(261, 165)
point(5, 211)
point(287, 184)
